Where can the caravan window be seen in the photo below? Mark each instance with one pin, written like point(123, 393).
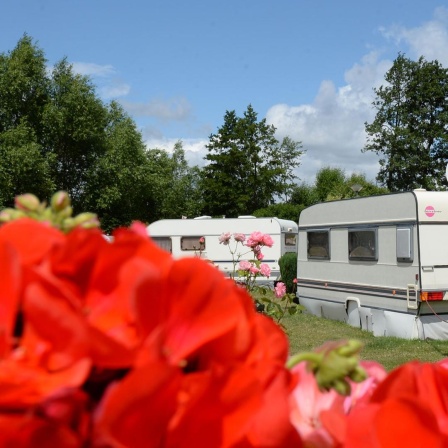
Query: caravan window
point(404, 244)
point(290, 239)
point(164, 242)
point(319, 244)
point(192, 243)
point(362, 244)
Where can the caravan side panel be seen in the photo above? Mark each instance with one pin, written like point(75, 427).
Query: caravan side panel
point(377, 284)
point(171, 233)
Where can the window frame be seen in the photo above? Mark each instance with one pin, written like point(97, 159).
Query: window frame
point(404, 244)
point(326, 246)
point(162, 239)
point(289, 236)
point(362, 254)
point(185, 245)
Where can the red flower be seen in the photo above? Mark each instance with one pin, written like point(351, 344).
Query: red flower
point(18, 431)
point(409, 408)
point(22, 243)
point(135, 411)
point(222, 362)
point(24, 378)
point(80, 300)
point(30, 239)
point(119, 344)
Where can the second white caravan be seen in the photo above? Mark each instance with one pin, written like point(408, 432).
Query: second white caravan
point(182, 238)
point(379, 263)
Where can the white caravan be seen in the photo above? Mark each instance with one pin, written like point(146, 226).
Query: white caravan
point(379, 263)
point(181, 237)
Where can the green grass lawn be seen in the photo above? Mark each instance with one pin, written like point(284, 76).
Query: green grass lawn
point(307, 332)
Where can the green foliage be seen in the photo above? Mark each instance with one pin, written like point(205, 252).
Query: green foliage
point(175, 185)
point(288, 270)
point(182, 194)
point(367, 188)
point(246, 166)
point(56, 134)
point(23, 167)
point(354, 186)
point(119, 186)
point(23, 86)
point(265, 298)
point(335, 365)
point(409, 129)
point(276, 308)
point(332, 184)
point(288, 155)
point(282, 211)
point(73, 124)
point(304, 195)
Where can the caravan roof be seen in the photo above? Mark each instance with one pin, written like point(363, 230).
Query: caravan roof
point(417, 205)
point(216, 226)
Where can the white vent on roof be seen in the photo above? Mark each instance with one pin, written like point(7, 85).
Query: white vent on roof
point(203, 217)
point(246, 217)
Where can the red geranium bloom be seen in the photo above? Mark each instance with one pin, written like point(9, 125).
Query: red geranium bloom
point(61, 420)
point(410, 408)
point(224, 364)
point(29, 415)
point(164, 352)
point(80, 299)
point(23, 243)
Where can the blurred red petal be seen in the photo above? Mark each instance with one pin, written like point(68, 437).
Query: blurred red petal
point(196, 304)
point(135, 412)
point(391, 424)
point(30, 238)
point(25, 431)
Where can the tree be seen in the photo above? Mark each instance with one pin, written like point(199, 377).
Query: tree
point(56, 134)
point(409, 131)
point(282, 211)
point(367, 188)
point(175, 184)
point(329, 183)
point(119, 185)
point(332, 184)
point(183, 197)
point(246, 166)
point(23, 168)
point(304, 194)
point(23, 95)
point(289, 153)
point(74, 123)
point(23, 87)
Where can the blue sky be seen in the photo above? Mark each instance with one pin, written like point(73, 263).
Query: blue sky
point(307, 66)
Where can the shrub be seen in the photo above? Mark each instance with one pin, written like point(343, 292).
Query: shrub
point(288, 270)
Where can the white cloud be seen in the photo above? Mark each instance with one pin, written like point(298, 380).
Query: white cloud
point(429, 40)
point(115, 90)
point(108, 85)
point(91, 69)
point(176, 108)
point(332, 128)
point(194, 148)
